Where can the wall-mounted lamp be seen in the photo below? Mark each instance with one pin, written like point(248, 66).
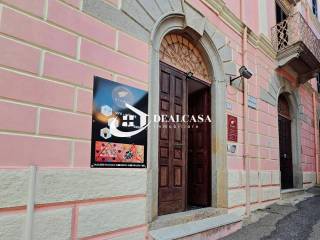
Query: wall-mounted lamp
point(244, 72)
point(189, 74)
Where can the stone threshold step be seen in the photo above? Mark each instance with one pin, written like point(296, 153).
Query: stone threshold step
point(197, 227)
point(292, 192)
point(186, 216)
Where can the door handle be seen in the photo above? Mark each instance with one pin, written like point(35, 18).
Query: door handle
point(284, 155)
point(178, 144)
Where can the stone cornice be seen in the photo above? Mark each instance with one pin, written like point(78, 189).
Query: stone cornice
point(264, 44)
point(219, 7)
point(286, 5)
point(259, 41)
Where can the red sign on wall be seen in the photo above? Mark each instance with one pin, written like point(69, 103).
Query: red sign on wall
point(232, 128)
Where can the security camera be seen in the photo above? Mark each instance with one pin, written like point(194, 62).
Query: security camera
point(244, 72)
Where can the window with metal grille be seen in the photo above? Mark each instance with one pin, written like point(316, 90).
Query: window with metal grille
point(315, 7)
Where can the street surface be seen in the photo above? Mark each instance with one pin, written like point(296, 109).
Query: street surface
point(297, 218)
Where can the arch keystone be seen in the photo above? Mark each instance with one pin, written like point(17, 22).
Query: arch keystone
point(177, 5)
point(194, 19)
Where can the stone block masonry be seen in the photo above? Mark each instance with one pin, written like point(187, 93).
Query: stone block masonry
point(50, 52)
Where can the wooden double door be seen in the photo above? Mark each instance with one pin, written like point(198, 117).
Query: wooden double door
point(184, 151)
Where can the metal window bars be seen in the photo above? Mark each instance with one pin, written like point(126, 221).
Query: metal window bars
point(292, 30)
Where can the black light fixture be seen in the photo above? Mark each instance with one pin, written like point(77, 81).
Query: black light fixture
point(244, 72)
point(189, 74)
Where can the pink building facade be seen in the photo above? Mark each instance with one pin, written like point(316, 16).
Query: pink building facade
point(52, 49)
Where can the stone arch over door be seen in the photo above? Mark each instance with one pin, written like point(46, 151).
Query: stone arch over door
point(184, 157)
point(219, 57)
point(279, 85)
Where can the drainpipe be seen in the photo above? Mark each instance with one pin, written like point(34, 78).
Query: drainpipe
point(245, 108)
point(30, 203)
point(315, 126)
point(245, 121)
point(307, 9)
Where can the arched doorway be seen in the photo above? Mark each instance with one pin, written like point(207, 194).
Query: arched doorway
point(285, 142)
point(184, 147)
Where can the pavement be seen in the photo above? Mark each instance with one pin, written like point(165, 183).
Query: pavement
point(296, 218)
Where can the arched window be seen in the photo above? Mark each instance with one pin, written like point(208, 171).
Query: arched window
point(283, 107)
point(176, 50)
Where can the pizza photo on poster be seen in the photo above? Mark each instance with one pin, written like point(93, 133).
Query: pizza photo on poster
point(119, 125)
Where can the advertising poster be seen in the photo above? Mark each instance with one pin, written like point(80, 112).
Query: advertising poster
point(119, 125)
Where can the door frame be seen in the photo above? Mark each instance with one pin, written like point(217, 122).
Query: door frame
point(208, 85)
point(293, 99)
point(288, 121)
point(219, 179)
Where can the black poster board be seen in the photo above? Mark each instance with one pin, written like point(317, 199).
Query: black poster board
point(119, 125)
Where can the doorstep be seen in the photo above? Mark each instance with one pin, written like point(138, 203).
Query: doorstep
point(214, 227)
point(186, 216)
point(292, 192)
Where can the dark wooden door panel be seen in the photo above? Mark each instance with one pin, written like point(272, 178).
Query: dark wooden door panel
point(170, 207)
point(172, 142)
point(199, 154)
point(286, 167)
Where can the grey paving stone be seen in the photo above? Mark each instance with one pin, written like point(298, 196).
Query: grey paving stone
point(286, 221)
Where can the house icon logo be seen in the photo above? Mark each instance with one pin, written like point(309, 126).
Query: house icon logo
point(127, 121)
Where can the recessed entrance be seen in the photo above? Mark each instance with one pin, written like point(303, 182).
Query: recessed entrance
point(199, 142)
point(285, 143)
point(184, 148)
